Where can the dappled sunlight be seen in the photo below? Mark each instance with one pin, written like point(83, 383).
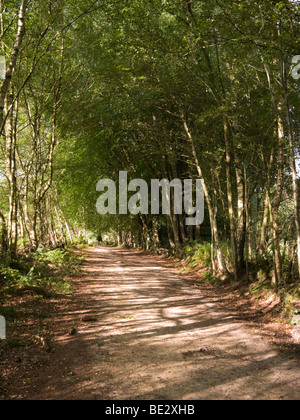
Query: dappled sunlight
point(153, 336)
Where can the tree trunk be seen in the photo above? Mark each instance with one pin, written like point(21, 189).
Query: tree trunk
point(293, 165)
point(4, 235)
point(10, 161)
point(277, 199)
point(241, 219)
point(12, 61)
point(212, 214)
point(230, 202)
point(155, 235)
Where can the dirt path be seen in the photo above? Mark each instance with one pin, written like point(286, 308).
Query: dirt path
point(152, 335)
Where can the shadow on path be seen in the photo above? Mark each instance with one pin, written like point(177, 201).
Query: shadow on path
point(153, 335)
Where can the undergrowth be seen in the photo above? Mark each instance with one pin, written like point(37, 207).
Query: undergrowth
point(197, 254)
point(43, 270)
point(259, 285)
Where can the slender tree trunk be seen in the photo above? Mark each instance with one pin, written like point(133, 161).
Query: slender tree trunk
point(10, 159)
point(292, 159)
point(230, 202)
point(170, 234)
point(241, 219)
point(63, 237)
point(274, 206)
point(212, 214)
point(262, 239)
point(277, 199)
point(155, 235)
point(264, 225)
point(69, 232)
point(4, 234)
point(52, 223)
point(12, 61)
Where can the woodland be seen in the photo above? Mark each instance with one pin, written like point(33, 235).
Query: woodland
point(162, 89)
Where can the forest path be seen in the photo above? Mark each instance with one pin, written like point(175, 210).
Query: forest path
point(151, 335)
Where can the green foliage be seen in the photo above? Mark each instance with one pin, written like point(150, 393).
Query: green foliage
point(58, 259)
point(126, 74)
point(44, 271)
point(10, 275)
point(196, 255)
point(212, 279)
